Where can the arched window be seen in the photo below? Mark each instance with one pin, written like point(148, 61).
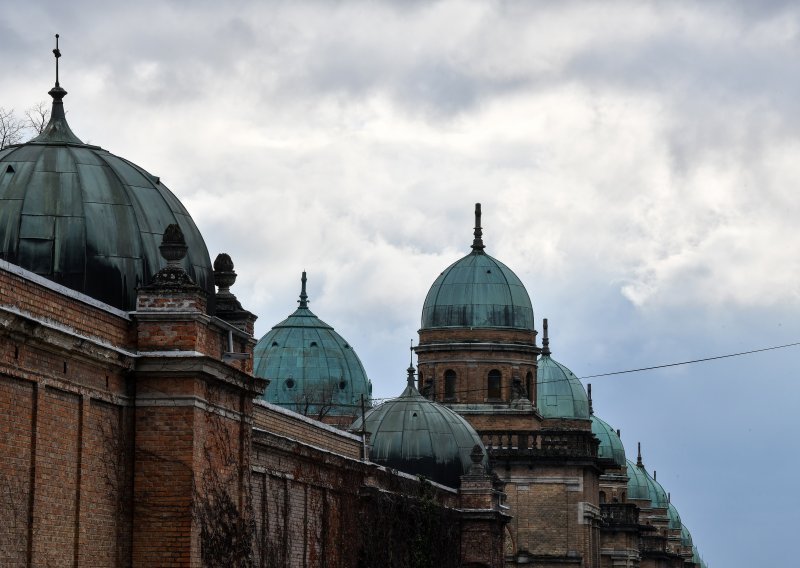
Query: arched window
point(529, 386)
point(602, 497)
point(494, 391)
point(449, 384)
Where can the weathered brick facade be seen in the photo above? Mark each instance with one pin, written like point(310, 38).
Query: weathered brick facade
point(568, 506)
point(132, 439)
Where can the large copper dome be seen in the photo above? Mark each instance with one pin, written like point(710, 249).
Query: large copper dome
point(85, 218)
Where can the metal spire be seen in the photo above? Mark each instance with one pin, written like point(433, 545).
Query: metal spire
point(591, 409)
point(57, 130)
point(411, 371)
point(303, 301)
point(545, 339)
point(639, 457)
point(477, 243)
point(57, 92)
point(57, 53)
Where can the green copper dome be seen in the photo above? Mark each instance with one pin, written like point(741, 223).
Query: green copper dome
point(674, 518)
point(87, 219)
point(638, 488)
point(696, 558)
point(611, 447)
point(686, 537)
point(477, 291)
point(311, 368)
point(412, 434)
point(641, 485)
point(559, 393)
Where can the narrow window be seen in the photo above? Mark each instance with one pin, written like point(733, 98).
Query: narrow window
point(494, 385)
point(529, 385)
point(449, 384)
point(602, 497)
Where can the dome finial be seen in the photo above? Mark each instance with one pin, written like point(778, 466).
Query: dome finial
point(477, 243)
point(57, 53)
point(639, 454)
point(57, 129)
point(591, 409)
point(57, 92)
point(545, 339)
point(411, 371)
point(303, 301)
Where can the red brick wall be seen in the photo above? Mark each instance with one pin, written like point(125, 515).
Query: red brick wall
point(295, 426)
point(63, 480)
point(306, 502)
point(472, 354)
point(16, 431)
point(27, 295)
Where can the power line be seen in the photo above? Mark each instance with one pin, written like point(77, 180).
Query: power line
point(650, 368)
point(740, 353)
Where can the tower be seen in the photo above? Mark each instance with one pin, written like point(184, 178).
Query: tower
point(478, 355)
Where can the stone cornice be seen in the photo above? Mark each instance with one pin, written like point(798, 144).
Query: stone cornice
point(58, 338)
point(161, 365)
point(492, 346)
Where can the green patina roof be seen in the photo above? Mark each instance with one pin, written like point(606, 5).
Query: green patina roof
point(309, 365)
point(412, 434)
point(87, 219)
point(638, 488)
point(674, 518)
point(610, 445)
point(559, 393)
point(696, 558)
point(686, 536)
point(477, 291)
point(641, 485)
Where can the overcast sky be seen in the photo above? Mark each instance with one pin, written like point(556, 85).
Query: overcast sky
point(637, 164)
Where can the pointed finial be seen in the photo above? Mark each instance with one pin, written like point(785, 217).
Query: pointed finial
point(619, 434)
point(591, 410)
point(411, 371)
point(57, 92)
point(477, 243)
point(545, 339)
point(57, 53)
point(303, 301)
point(669, 498)
point(639, 456)
point(57, 129)
point(655, 475)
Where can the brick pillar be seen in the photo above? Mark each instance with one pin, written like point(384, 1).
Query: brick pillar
point(482, 521)
point(192, 427)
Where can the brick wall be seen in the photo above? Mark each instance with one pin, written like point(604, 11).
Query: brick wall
point(32, 294)
point(286, 423)
point(310, 505)
point(65, 467)
point(471, 355)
